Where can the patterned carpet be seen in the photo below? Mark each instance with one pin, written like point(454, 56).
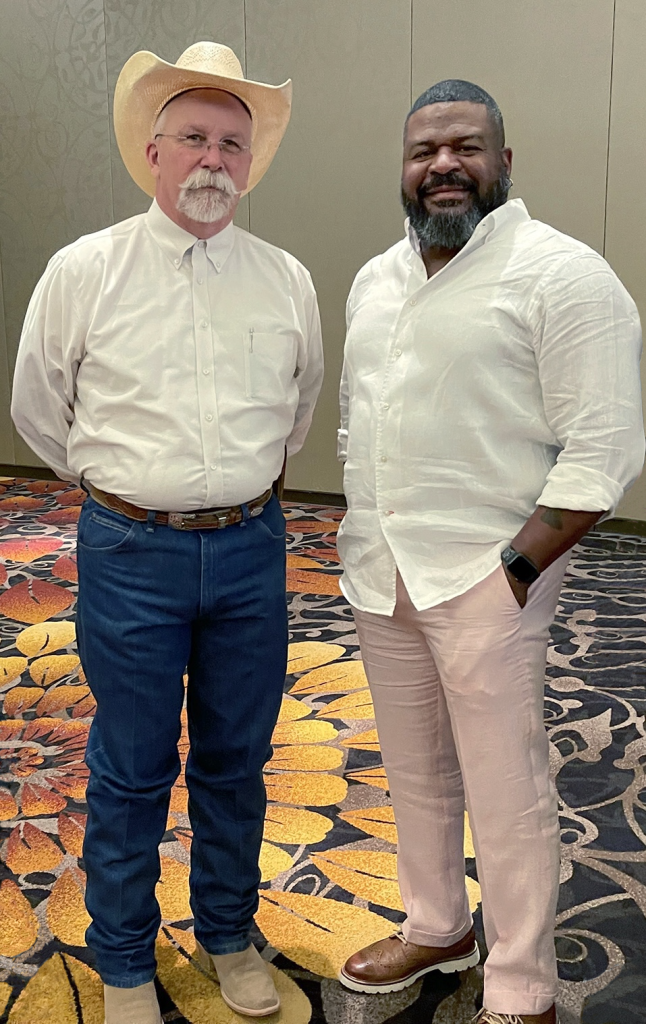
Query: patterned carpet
point(328, 861)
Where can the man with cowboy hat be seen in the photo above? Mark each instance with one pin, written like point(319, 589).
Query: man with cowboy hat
point(168, 362)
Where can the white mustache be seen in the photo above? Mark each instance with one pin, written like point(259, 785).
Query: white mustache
point(203, 178)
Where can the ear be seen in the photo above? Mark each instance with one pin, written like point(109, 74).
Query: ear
point(507, 157)
point(152, 156)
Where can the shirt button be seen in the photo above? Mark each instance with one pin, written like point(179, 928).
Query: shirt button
point(200, 280)
point(383, 459)
point(413, 302)
point(204, 323)
point(213, 465)
point(208, 417)
point(397, 353)
point(206, 372)
point(217, 266)
point(177, 262)
point(384, 405)
point(202, 244)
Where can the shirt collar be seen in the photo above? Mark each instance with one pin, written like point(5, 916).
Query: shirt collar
point(510, 213)
point(175, 242)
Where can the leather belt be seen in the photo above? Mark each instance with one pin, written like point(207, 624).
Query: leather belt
point(207, 519)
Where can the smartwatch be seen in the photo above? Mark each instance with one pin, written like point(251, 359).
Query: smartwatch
point(520, 566)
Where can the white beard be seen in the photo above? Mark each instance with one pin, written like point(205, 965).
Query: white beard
point(206, 196)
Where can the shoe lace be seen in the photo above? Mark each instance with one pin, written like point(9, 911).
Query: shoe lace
point(400, 936)
point(487, 1017)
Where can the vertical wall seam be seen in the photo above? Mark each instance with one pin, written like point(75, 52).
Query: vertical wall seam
point(246, 72)
point(5, 363)
point(410, 77)
point(107, 100)
point(612, 69)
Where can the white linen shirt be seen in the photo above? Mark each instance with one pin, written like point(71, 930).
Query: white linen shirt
point(509, 379)
point(169, 371)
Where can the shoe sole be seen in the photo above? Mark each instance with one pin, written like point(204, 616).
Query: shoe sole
point(447, 967)
point(245, 1010)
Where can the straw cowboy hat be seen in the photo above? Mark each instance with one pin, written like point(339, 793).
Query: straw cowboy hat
point(147, 83)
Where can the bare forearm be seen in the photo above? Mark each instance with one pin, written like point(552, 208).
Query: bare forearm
point(550, 532)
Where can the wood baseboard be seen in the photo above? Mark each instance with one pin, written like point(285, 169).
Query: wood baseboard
point(30, 472)
point(315, 497)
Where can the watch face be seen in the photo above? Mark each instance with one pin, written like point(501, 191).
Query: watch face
point(522, 569)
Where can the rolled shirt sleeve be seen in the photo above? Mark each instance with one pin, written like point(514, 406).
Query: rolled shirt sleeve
point(588, 346)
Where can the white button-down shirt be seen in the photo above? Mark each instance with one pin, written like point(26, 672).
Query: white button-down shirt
point(509, 379)
point(169, 371)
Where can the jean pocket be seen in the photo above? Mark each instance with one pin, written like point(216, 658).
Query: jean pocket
point(102, 530)
point(272, 521)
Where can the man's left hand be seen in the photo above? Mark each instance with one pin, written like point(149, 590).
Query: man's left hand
point(519, 589)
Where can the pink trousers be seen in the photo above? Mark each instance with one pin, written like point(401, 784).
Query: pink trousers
point(458, 695)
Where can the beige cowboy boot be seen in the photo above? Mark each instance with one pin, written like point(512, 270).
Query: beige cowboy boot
point(131, 1005)
point(245, 982)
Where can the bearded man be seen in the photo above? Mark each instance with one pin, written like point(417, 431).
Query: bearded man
point(168, 362)
point(490, 415)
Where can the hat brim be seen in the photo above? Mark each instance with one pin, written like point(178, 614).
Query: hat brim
point(147, 83)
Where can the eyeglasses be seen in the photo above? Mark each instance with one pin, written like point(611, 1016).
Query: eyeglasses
point(201, 144)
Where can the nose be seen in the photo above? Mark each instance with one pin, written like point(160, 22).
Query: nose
point(444, 161)
point(212, 158)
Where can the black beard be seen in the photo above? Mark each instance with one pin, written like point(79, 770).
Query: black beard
point(451, 230)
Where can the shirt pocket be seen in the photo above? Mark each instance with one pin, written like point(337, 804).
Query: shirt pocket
point(270, 365)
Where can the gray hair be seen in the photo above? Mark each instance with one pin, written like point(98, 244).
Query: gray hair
point(455, 90)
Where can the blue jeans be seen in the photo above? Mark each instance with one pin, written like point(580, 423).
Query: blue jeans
point(152, 601)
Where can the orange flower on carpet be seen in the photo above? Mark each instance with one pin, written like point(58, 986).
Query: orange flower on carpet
point(28, 549)
point(41, 765)
point(46, 486)
point(20, 504)
point(66, 569)
point(34, 601)
point(301, 580)
point(62, 516)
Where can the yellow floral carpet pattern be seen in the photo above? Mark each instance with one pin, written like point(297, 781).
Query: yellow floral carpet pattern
point(328, 861)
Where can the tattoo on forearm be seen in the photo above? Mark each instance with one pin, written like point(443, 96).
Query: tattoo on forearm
point(553, 517)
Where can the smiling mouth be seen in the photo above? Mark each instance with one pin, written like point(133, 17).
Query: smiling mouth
point(448, 192)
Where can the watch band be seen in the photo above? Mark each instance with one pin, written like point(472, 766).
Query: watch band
point(520, 566)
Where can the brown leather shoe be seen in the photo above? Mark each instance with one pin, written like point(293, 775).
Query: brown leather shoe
point(394, 963)
point(488, 1017)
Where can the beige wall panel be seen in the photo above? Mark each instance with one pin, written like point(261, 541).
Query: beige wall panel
point(166, 27)
point(626, 217)
point(54, 174)
point(6, 431)
point(547, 63)
point(331, 195)
point(55, 169)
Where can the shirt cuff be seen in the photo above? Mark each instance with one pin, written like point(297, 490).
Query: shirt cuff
point(580, 489)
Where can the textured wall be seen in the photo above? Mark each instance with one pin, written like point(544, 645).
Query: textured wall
point(567, 74)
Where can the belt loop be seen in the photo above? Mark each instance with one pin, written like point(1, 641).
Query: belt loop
point(245, 514)
point(150, 521)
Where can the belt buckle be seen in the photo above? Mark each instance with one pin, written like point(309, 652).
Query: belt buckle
point(257, 511)
point(177, 520)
